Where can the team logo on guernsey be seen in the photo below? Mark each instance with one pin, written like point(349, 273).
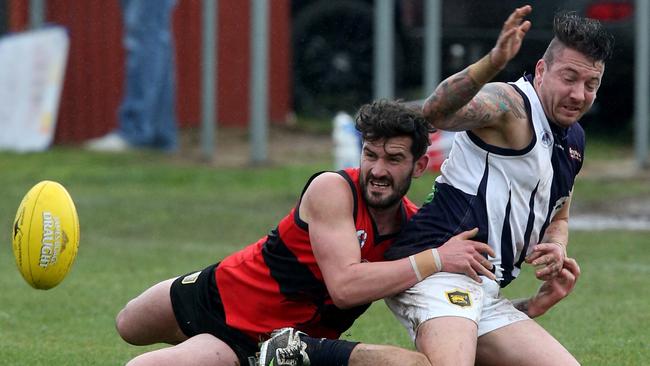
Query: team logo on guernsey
point(190, 278)
point(362, 236)
point(547, 138)
point(575, 154)
point(459, 298)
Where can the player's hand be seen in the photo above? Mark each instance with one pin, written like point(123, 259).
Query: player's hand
point(555, 289)
point(512, 34)
point(461, 255)
point(548, 258)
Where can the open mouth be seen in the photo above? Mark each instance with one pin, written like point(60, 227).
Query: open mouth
point(379, 184)
point(572, 109)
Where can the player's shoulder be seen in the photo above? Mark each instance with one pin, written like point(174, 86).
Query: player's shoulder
point(327, 195)
point(328, 186)
point(328, 180)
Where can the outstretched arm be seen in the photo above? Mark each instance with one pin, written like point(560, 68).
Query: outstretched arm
point(551, 291)
point(453, 105)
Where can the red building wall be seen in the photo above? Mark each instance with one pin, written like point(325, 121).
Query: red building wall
point(94, 75)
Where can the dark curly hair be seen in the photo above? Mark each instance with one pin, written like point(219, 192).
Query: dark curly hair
point(384, 119)
point(584, 35)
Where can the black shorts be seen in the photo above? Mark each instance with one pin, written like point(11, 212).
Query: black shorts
point(198, 309)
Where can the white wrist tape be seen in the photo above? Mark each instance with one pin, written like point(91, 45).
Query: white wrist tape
point(425, 263)
point(415, 267)
point(436, 257)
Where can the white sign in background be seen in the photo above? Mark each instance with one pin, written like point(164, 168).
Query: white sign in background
point(32, 67)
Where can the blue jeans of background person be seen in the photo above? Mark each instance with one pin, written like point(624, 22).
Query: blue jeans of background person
point(147, 116)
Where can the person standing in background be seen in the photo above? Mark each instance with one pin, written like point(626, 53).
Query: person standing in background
point(147, 115)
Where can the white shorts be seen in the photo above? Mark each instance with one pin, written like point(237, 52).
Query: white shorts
point(451, 294)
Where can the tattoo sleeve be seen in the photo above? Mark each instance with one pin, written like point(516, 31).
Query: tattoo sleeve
point(521, 305)
point(459, 103)
point(451, 95)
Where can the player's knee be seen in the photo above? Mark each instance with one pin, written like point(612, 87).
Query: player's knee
point(123, 326)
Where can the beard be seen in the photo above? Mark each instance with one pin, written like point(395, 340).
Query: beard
point(378, 201)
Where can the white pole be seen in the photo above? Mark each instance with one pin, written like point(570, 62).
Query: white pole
point(36, 13)
point(384, 34)
point(641, 88)
point(432, 50)
point(259, 81)
point(208, 78)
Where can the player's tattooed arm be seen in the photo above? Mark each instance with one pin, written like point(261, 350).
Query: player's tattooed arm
point(460, 104)
point(528, 307)
point(522, 305)
point(451, 95)
point(551, 291)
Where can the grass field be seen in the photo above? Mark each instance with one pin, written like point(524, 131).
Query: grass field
point(145, 217)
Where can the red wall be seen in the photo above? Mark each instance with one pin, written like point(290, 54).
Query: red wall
point(94, 75)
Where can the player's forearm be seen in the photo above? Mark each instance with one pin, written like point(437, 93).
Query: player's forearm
point(534, 307)
point(546, 297)
point(528, 307)
point(457, 91)
point(521, 305)
point(483, 70)
point(558, 229)
point(558, 232)
point(365, 282)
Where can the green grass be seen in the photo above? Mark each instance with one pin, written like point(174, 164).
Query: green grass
point(145, 217)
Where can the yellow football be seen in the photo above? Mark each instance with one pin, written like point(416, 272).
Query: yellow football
point(45, 235)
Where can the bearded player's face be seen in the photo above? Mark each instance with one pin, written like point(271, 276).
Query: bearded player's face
point(386, 171)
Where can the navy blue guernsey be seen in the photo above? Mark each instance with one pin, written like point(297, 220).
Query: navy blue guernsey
point(510, 195)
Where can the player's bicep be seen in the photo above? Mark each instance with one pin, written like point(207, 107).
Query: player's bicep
point(328, 208)
point(491, 106)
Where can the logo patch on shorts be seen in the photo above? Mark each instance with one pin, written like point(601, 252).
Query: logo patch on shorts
point(190, 278)
point(459, 298)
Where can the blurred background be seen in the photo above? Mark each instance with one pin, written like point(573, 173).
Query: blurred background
point(321, 57)
point(333, 53)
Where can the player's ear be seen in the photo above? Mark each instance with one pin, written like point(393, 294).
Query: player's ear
point(540, 68)
point(420, 166)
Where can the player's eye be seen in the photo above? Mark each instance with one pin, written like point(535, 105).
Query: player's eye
point(395, 159)
point(369, 154)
